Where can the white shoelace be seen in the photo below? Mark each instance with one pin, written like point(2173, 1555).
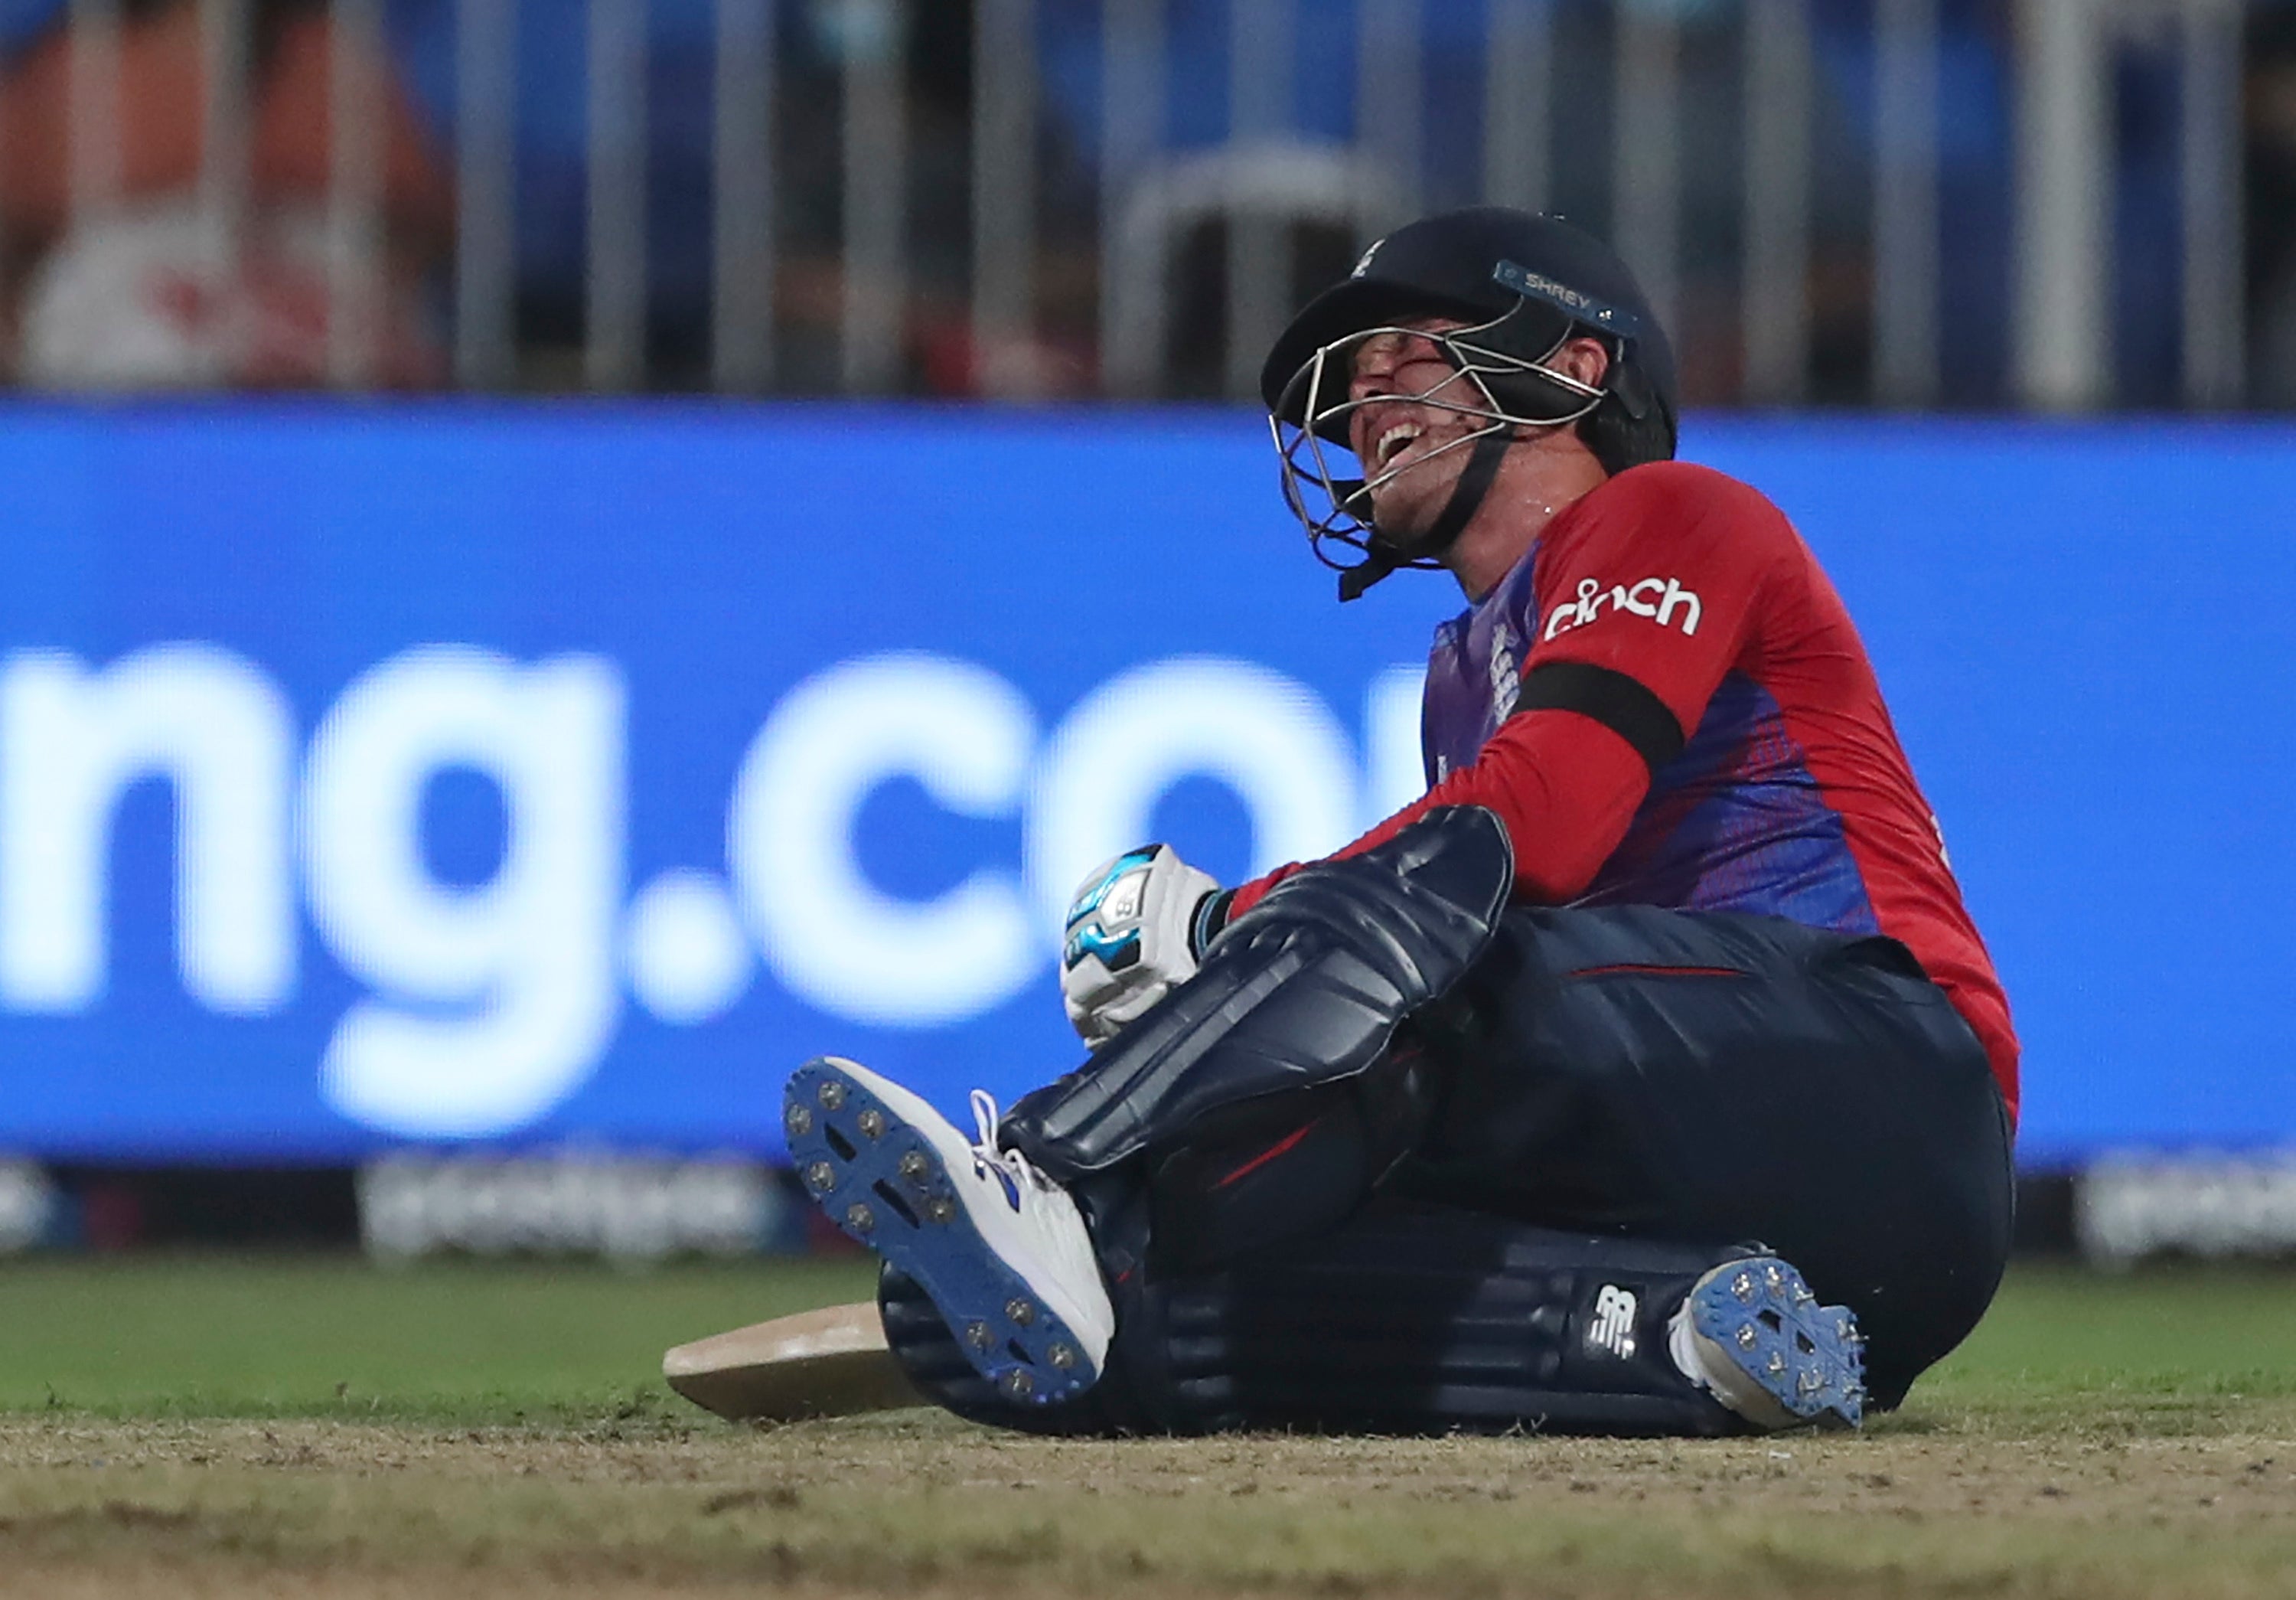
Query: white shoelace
point(987, 1154)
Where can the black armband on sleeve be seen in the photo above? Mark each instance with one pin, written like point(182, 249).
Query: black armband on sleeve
point(1618, 703)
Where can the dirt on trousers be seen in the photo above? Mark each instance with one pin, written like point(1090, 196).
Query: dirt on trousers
point(917, 1505)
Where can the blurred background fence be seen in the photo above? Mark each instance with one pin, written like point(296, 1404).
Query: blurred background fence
point(2055, 204)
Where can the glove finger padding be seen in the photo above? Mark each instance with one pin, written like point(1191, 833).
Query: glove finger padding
point(1129, 938)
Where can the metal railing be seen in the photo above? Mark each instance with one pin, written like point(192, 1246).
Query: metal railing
point(1737, 145)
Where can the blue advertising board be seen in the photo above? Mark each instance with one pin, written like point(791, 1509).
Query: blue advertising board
point(565, 774)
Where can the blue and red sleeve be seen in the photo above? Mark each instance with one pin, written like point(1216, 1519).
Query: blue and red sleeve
point(1648, 592)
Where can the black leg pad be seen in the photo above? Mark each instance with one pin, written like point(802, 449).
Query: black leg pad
point(1306, 990)
point(1407, 1321)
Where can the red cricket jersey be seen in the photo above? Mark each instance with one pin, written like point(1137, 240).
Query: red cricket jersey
point(1666, 704)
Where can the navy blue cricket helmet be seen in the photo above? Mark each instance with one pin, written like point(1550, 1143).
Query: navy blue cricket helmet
point(1523, 285)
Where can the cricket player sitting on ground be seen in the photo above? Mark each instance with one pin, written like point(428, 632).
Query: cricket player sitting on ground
point(1647, 1075)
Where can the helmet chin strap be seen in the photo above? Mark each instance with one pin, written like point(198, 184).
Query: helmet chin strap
point(1467, 492)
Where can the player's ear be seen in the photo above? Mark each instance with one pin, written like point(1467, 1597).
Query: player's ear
point(1584, 359)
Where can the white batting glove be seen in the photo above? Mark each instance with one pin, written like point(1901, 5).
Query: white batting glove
point(1132, 933)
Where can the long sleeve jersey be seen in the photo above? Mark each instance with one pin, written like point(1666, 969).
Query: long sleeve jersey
point(1665, 703)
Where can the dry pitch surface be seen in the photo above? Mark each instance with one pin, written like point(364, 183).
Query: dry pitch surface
point(2099, 1438)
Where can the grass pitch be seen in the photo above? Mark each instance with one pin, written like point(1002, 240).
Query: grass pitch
point(324, 1428)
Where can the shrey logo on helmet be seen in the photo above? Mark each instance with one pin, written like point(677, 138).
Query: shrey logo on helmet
point(1585, 307)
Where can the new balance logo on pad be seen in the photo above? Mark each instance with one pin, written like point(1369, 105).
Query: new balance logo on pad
point(1613, 1327)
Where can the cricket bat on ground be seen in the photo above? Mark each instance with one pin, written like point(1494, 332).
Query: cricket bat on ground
point(833, 1362)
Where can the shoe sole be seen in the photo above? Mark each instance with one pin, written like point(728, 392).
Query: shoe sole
point(1808, 1359)
point(884, 1185)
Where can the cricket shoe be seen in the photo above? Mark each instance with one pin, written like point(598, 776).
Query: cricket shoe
point(1753, 1333)
point(999, 1247)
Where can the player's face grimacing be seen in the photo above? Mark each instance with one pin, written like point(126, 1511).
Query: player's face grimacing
point(1412, 403)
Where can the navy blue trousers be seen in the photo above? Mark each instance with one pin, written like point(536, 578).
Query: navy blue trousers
point(1611, 1094)
point(1716, 1079)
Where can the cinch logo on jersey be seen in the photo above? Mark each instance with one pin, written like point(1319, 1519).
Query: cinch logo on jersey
point(1663, 600)
point(1613, 1327)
